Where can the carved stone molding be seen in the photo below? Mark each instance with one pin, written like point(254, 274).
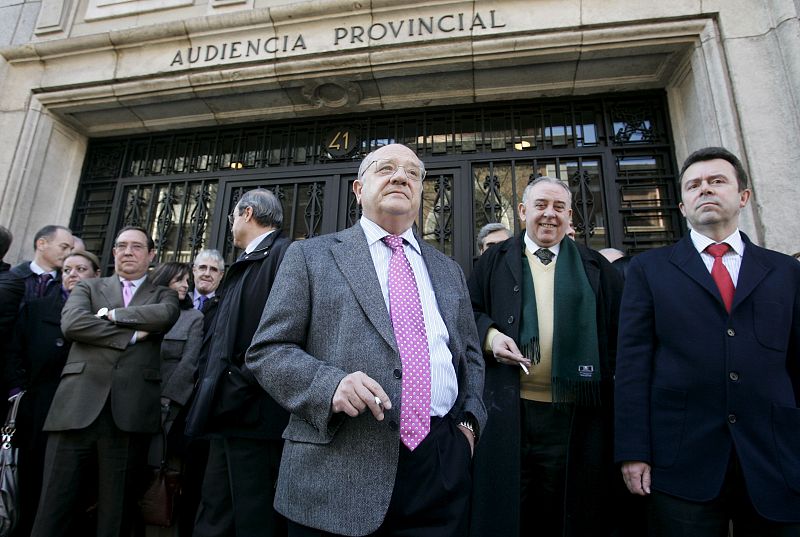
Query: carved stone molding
point(332, 94)
point(103, 9)
point(53, 16)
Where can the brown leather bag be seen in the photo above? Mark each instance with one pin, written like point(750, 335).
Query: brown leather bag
point(159, 502)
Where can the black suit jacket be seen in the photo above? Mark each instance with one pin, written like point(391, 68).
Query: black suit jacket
point(496, 291)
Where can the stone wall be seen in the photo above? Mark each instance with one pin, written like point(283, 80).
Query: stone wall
point(73, 69)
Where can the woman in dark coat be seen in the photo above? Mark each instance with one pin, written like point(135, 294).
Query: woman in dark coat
point(181, 345)
point(36, 355)
point(180, 350)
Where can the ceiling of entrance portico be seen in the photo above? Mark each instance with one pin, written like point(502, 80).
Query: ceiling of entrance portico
point(463, 71)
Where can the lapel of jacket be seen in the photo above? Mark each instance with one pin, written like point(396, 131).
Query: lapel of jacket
point(351, 254)
point(111, 290)
point(144, 294)
point(686, 257)
point(590, 267)
point(513, 258)
point(753, 270)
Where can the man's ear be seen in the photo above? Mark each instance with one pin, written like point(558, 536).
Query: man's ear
point(357, 186)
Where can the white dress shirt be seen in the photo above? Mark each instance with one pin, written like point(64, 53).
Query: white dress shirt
point(533, 247)
point(444, 384)
point(36, 269)
point(255, 242)
point(732, 258)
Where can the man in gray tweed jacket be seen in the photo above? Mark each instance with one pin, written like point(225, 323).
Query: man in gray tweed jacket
point(379, 440)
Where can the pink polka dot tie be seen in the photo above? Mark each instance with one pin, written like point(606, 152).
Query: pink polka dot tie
point(405, 310)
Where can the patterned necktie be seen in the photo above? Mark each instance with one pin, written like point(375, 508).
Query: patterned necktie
point(408, 322)
point(201, 302)
point(544, 255)
point(721, 275)
point(127, 292)
point(41, 287)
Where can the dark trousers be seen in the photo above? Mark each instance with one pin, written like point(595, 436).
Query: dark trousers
point(101, 449)
point(431, 491)
point(544, 442)
point(669, 516)
point(239, 489)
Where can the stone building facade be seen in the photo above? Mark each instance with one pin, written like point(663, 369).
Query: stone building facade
point(119, 111)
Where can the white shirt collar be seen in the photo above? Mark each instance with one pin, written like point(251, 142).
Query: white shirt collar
point(374, 233)
point(734, 240)
point(532, 246)
point(136, 283)
point(36, 269)
point(255, 242)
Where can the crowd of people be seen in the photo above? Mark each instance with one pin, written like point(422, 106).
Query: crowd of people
point(358, 383)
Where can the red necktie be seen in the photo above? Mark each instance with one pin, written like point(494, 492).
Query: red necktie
point(408, 321)
point(721, 275)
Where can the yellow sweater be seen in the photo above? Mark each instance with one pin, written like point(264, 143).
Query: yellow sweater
point(538, 385)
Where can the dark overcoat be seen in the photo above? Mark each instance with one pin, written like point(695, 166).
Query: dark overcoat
point(695, 384)
point(36, 355)
point(496, 291)
point(228, 399)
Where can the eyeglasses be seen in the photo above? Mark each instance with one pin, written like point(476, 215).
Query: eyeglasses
point(387, 168)
point(203, 268)
point(238, 210)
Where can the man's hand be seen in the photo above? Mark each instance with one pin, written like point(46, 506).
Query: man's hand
point(506, 351)
point(470, 438)
point(356, 392)
point(637, 477)
point(141, 334)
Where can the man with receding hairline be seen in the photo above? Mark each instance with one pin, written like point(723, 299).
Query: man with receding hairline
point(107, 403)
point(546, 308)
point(242, 422)
point(368, 340)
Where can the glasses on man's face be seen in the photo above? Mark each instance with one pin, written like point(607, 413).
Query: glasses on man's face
point(387, 169)
point(209, 268)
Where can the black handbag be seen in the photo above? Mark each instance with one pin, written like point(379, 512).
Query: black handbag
point(9, 514)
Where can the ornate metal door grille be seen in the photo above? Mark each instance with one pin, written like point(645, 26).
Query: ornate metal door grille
point(614, 151)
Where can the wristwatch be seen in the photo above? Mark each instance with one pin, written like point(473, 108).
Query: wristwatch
point(102, 313)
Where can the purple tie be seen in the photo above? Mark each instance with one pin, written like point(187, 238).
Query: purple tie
point(127, 292)
point(44, 280)
point(408, 322)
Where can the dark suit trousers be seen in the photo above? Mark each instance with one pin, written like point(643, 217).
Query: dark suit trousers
point(669, 516)
point(431, 491)
point(239, 489)
point(543, 467)
point(117, 458)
